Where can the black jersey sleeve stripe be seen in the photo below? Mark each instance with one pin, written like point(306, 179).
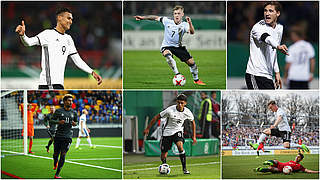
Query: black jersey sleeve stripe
point(39, 40)
point(264, 36)
point(73, 53)
point(161, 18)
point(47, 65)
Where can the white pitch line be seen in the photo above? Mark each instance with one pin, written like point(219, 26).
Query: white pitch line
point(199, 164)
point(96, 159)
point(88, 165)
point(103, 146)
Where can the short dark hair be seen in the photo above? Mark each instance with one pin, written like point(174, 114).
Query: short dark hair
point(62, 10)
point(276, 4)
point(272, 103)
point(67, 96)
point(182, 97)
point(301, 155)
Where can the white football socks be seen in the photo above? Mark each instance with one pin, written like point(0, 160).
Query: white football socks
point(89, 141)
point(294, 145)
point(172, 63)
point(194, 71)
point(78, 142)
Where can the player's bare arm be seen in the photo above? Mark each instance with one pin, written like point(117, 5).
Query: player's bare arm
point(20, 29)
point(283, 49)
point(191, 30)
point(61, 122)
point(279, 119)
point(312, 65)
point(194, 133)
point(154, 119)
point(74, 123)
point(310, 171)
point(149, 17)
point(278, 81)
point(97, 77)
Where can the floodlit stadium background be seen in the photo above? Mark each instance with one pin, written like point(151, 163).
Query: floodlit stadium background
point(98, 42)
point(241, 18)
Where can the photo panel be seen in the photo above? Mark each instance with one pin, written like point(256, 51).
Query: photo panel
point(268, 135)
point(171, 134)
point(77, 133)
point(273, 45)
point(67, 44)
point(174, 45)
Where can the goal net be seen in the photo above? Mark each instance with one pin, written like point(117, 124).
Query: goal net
point(13, 142)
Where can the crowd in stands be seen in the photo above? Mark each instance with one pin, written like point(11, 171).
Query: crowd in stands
point(232, 136)
point(243, 15)
point(95, 27)
point(103, 106)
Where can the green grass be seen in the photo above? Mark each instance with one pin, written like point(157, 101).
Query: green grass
point(149, 70)
point(41, 167)
point(141, 167)
point(241, 167)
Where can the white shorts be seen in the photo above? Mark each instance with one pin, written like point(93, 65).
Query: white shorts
point(84, 134)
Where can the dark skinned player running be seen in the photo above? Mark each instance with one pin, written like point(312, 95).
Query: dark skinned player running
point(65, 117)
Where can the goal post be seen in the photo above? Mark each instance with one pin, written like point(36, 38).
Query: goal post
point(13, 142)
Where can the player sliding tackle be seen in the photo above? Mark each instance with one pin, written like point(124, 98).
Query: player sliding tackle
point(172, 42)
point(56, 47)
point(280, 128)
point(175, 116)
point(275, 166)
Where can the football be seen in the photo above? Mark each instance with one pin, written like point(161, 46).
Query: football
point(287, 170)
point(164, 169)
point(179, 80)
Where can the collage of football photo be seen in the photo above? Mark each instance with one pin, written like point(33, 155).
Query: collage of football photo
point(155, 89)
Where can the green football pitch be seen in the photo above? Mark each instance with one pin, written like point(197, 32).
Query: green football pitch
point(149, 70)
point(105, 161)
point(142, 167)
point(241, 167)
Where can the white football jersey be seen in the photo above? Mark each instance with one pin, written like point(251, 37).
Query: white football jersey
point(56, 47)
point(175, 119)
point(263, 57)
point(173, 32)
point(300, 54)
point(83, 118)
point(283, 125)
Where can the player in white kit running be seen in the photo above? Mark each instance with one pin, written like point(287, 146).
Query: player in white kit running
point(174, 29)
point(56, 47)
point(280, 128)
point(265, 39)
point(173, 129)
point(83, 129)
point(300, 64)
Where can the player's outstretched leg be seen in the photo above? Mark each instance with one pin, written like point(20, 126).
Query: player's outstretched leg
point(163, 158)
point(304, 148)
point(194, 71)
point(90, 144)
point(60, 164)
point(182, 156)
point(254, 146)
point(49, 144)
point(172, 63)
point(261, 169)
point(55, 160)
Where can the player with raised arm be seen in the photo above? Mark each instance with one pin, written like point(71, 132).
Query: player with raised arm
point(84, 130)
point(56, 47)
point(51, 127)
point(276, 167)
point(280, 128)
point(172, 42)
point(65, 117)
point(300, 65)
point(265, 39)
point(175, 116)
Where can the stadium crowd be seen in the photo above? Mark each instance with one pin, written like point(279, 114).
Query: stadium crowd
point(93, 36)
point(103, 106)
point(238, 135)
